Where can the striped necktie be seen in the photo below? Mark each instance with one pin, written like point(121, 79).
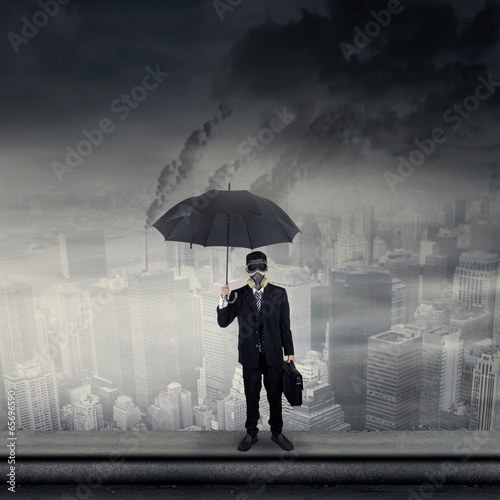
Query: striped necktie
point(258, 299)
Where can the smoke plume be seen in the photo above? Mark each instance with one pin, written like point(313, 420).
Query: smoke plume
point(176, 171)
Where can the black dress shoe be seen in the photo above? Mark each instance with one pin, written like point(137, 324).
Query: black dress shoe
point(283, 442)
point(247, 442)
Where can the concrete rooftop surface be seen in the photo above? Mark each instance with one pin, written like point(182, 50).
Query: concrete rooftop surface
point(187, 458)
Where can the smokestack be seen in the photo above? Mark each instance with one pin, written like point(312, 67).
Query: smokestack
point(145, 248)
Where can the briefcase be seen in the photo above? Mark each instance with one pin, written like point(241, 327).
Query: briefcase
point(292, 383)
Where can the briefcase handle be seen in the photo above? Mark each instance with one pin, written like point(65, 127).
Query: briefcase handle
point(292, 364)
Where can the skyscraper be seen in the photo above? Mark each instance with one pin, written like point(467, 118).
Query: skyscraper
point(18, 329)
point(393, 378)
point(308, 245)
point(474, 283)
point(471, 354)
point(37, 400)
point(220, 349)
point(107, 392)
point(442, 361)
point(172, 409)
point(485, 397)
point(125, 413)
point(434, 276)
point(398, 303)
point(409, 225)
point(297, 282)
point(154, 340)
point(403, 265)
point(232, 410)
point(318, 412)
point(73, 308)
point(360, 306)
point(448, 246)
point(112, 335)
point(85, 415)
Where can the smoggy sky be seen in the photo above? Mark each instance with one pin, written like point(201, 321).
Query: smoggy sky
point(350, 106)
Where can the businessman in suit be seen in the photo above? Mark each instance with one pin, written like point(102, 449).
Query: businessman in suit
point(263, 315)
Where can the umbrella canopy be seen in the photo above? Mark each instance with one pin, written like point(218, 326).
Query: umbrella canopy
point(227, 218)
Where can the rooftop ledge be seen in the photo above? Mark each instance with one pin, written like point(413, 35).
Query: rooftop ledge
point(211, 457)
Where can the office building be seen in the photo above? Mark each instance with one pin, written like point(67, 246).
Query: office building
point(73, 314)
point(318, 412)
point(475, 280)
point(172, 409)
point(112, 335)
point(85, 415)
point(403, 266)
point(360, 306)
point(19, 338)
point(125, 413)
point(485, 396)
point(442, 361)
point(37, 401)
point(393, 378)
point(154, 340)
point(434, 276)
point(220, 349)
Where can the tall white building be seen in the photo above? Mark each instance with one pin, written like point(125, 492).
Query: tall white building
point(393, 378)
point(18, 326)
point(85, 415)
point(113, 341)
point(37, 400)
point(297, 283)
point(318, 412)
point(154, 337)
point(409, 225)
point(73, 308)
point(474, 282)
point(442, 361)
point(485, 397)
point(398, 303)
point(172, 409)
point(220, 349)
point(403, 265)
point(125, 413)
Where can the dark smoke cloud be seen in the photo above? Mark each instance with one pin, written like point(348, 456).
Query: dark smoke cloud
point(426, 60)
point(225, 173)
point(176, 172)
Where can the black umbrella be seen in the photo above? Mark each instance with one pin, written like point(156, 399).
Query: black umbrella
point(227, 218)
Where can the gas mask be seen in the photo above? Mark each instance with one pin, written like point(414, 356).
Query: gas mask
point(257, 278)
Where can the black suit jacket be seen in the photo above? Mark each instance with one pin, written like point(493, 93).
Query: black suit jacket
point(276, 315)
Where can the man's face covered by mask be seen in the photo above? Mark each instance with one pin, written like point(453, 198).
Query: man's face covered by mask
point(257, 278)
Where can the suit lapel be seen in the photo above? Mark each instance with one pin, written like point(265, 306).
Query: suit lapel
point(266, 296)
point(251, 298)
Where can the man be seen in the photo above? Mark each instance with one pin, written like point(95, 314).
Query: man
point(263, 315)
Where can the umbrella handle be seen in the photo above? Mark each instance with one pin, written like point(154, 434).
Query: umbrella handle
point(234, 300)
point(227, 248)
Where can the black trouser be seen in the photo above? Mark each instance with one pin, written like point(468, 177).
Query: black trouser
point(273, 382)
